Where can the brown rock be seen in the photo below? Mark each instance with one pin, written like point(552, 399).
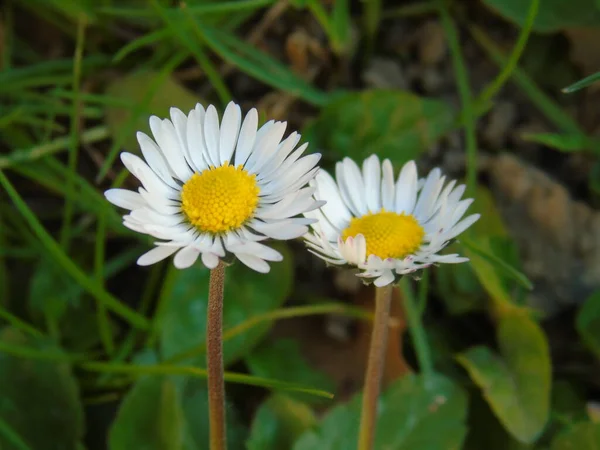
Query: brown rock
point(558, 237)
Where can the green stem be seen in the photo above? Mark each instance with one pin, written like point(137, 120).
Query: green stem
point(417, 332)
point(214, 358)
point(372, 386)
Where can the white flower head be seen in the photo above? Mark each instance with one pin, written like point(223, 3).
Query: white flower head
point(210, 188)
point(386, 229)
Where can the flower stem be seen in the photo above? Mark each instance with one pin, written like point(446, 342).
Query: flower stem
point(383, 299)
point(417, 331)
point(214, 358)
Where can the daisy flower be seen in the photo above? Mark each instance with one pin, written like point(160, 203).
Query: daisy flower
point(383, 228)
point(211, 188)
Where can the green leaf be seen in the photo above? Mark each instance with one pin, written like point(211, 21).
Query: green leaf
point(413, 413)
point(133, 89)
point(517, 384)
point(393, 124)
point(588, 322)
point(247, 293)
point(553, 15)
point(587, 81)
point(194, 401)
point(583, 436)
point(39, 400)
point(279, 421)
point(268, 361)
point(150, 417)
point(565, 142)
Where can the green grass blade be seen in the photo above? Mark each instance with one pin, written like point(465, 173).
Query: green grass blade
point(466, 96)
point(587, 81)
point(65, 232)
point(148, 39)
point(511, 63)
point(12, 437)
point(195, 49)
point(102, 319)
point(60, 144)
point(543, 102)
point(272, 316)
point(165, 369)
point(500, 264)
point(18, 323)
point(216, 8)
point(258, 64)
point(67, 264)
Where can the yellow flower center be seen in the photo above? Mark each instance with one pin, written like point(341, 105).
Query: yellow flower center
point(388, 234)
point(220, 199)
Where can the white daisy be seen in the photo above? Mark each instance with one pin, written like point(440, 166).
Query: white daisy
point(211, 188)
point(386, 229)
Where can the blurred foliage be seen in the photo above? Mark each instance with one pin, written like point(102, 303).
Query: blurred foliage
point(69, 288)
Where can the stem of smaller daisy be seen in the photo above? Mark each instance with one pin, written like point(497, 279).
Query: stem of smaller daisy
point(377, 350)
point(417, 332)
point(214, 358)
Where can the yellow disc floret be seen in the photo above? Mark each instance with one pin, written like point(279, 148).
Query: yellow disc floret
point(388, 234)
point(220, 199)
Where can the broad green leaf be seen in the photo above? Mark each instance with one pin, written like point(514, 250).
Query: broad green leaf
point(133, 89)
point(393, 124)
point(588, 322)
point(59, 303)
point(50, 292)
point(247, 293)
point(553, 15)
point(413, 413)
point(485, 431)
point(194, 401)
point(517, 383)
point(279, 421)
point(282, 360)
point(583, 436)
point(150, 417)
point(39, 400)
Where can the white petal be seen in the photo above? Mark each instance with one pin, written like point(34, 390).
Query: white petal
point(147, 176)
point(283, 150)
point(386, 278)
point(351, 186)
point(265, 147)
point(155, 255)
point(154, 158)
point(186, 257)
point(406, 188)
point(254, 263)
point(279, 230)
point(387, 186)
point(256, 249)
point(230, 128)
point(210, 260)
point(462, 226)
point(124, 198)
point(371, 172)
point(211, 135)
point(174, 153)
point(335, 209)
point(247, 137)
point(195, 139)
